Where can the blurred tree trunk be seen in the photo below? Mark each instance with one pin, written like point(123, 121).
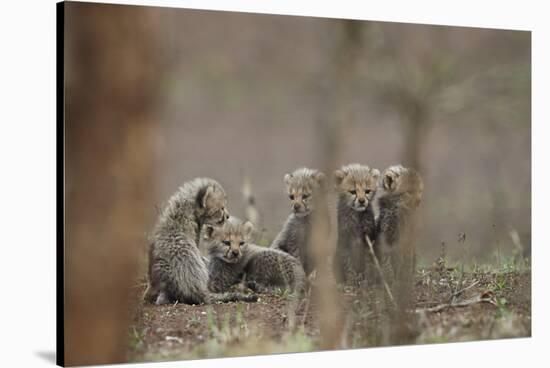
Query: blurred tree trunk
point(110, 87)
point(414, 115)
point(336, 79)
point(414, 111)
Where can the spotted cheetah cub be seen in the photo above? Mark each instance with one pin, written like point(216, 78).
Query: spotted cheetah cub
point(399, 198)
point(177, 271)
point(234, 258)
point(356, 186)
point(302, 186)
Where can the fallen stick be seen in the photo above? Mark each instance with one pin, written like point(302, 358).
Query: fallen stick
point(377, 265)
point(457, 293)
point(464, 303)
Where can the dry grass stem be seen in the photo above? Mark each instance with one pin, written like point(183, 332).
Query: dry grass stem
point(380, 272)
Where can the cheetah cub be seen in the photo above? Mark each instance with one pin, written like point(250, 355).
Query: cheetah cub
point(399, 198)
point(356, 186)
point(233, 258)
point(177, 271)
point(302, 186)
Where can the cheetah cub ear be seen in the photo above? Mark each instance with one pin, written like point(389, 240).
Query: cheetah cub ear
point(204, 195)
point(339, 176)
point(208, 232)
point(389, 181)
point(287, 178)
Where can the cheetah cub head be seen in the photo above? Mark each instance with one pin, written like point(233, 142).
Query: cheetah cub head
point(228, 241)
point(356, 185)
point(403, 180)
point(211, 206)
point(302, 186)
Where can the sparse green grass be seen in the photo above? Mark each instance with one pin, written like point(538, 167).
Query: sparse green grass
point(502, 310)
point(499, 284)
point(233, 334)
point(194, 321)
point(229, 329)
point(135, 340)
point(227, 339)
point(291, 343)
point(514, 264)
point(283, 293)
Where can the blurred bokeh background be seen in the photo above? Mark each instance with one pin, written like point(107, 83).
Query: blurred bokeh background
point(157, 96)
point(245, 93)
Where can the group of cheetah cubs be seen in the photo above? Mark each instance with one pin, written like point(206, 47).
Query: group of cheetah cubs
point(196, 217)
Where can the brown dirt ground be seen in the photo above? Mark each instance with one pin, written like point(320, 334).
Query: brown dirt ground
point(269, 326)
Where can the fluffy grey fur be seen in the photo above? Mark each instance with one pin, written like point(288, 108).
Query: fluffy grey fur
point(177, 271)
point(271, 269)
point(399, 198)
point(233, 259)
point(303, 185)
point(356, 185)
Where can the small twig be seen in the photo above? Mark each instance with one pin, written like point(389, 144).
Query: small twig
point(498, 244)
point(516, 240)
point(426, 303)
point(465, 303)
point(464, 289)
point(377, 264)
point(251, 213)
point(460, 283)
